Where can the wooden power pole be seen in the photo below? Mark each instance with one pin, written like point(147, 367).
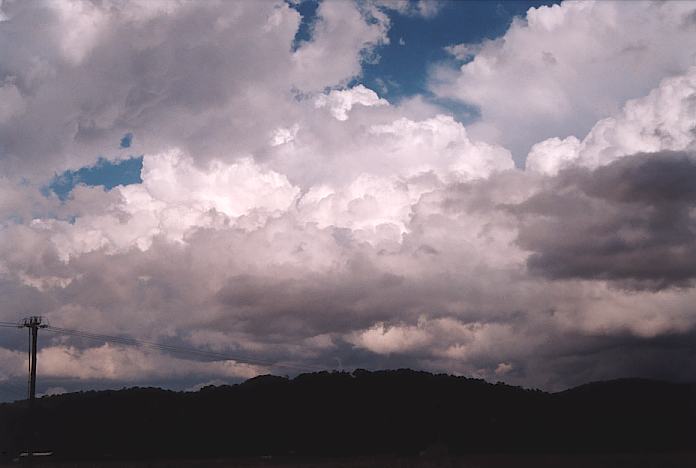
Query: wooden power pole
point(33, 324)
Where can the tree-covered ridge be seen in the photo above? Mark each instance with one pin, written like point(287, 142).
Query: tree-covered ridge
point(356, 413)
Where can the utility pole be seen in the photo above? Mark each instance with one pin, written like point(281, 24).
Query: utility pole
point(33, 324)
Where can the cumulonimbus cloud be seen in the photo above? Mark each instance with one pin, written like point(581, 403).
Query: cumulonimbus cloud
point(288, 222)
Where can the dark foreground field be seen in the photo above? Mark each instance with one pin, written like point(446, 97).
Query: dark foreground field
point(626, 460)
point(362, 419)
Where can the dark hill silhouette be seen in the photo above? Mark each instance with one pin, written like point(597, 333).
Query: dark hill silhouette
point(360, 413)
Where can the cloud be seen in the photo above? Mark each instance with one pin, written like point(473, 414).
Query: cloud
point(129, 364)
point(664, 120)
point(446, 139)
point(383, 340)
point(419, 8)
point(342, 101)
point(175, 196)
point(464, 52)
point(93, 72)
point(344, 36)
point(629, 221)
point(563, 67)
point(53, 391)
point(441, 284)
point(13, 103)
point(503, 368)
point(289, 214)
point(13, 363)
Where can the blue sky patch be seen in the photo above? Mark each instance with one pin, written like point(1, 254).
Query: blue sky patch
point(108, 174)
point(416, 43)
point(308, 10)
point(126, 140)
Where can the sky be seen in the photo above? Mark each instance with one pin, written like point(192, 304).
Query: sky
point(501, 190)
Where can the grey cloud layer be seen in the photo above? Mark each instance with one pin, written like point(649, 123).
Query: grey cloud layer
point(631, 221)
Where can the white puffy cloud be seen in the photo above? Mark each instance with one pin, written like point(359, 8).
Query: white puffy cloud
point(383, 340)
point(550, 155)
point(341, 37)
point(342, 101)
point(563, 67)
point(503, 368)
point(283, 135)
point(664, 120)
point(233, 189)
point(378, 139)
point(175, 196)
point(443, 138)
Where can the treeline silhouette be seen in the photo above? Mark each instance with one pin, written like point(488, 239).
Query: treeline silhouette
point(358, 413)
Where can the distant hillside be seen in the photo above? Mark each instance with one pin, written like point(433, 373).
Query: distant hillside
point(359, 413)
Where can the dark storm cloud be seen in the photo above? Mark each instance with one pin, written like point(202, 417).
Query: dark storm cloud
point(630, 222)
